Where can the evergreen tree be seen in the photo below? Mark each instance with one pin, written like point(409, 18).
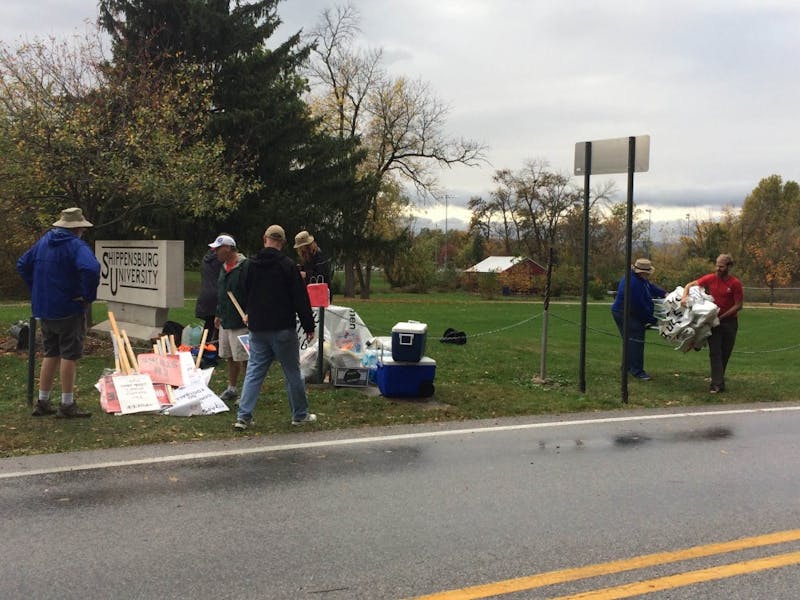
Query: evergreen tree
point(258, 111)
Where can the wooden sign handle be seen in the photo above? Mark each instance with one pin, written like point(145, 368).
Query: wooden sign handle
point(236, 305)
point(201, 348)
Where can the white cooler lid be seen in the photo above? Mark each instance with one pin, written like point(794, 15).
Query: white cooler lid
point(410, 327)
point(387, 360)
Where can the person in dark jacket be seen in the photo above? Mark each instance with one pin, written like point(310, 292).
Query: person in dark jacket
point(207, 298)
point(274, 298)
point(315, 267)
point(63, 274)
point(642, 292)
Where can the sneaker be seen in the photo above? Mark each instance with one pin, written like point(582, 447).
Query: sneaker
point(43, 408)
point(242, 424)
point(71, 411)
point(715, 389)
point(309, 418)
point(643, 376)
point(228, 395)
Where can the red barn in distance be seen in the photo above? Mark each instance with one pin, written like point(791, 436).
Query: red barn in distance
point(516, 274)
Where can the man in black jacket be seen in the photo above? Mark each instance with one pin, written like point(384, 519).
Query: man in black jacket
point(275, 295)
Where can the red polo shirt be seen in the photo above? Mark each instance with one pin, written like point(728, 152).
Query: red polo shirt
point(726, 292)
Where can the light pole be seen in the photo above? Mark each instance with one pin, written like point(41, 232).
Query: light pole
point(446, 197)
point(687, 225)
point(649, 227)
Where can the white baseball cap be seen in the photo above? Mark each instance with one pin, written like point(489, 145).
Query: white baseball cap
point(223, 240)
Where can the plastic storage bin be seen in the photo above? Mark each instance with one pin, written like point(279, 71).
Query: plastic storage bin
point(399, 379)
point(408, 341)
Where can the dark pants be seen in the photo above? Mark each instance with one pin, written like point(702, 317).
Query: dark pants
point(213, 332)
point(720, 348)
point(636, 331)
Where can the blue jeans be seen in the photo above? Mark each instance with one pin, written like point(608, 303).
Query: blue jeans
point(265, 347)
point(636, 331)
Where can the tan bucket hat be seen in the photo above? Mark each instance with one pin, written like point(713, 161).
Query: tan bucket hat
point(303, 239)
point(72, 218)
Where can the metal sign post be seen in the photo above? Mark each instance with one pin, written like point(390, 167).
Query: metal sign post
point(617, 155)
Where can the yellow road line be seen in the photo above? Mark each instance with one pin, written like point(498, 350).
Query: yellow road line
point(660, 584)
point(520, 584)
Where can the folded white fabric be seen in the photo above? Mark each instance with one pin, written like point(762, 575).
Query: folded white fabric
point(691, 325)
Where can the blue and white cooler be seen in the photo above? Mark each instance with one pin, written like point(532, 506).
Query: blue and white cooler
point(408, 341)
point(401, 379)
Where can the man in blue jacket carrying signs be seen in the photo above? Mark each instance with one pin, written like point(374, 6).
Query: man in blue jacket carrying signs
point(274, 297)
point(642, 293)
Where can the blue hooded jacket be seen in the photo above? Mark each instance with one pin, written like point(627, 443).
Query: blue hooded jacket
point(62, 273)
point(642, 294)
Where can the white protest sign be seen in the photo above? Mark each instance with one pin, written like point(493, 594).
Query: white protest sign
point(195, 399)
point(191, 374)
point(244, 340)
point(136, 394)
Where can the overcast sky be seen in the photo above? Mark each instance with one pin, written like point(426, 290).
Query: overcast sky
point(714, 83)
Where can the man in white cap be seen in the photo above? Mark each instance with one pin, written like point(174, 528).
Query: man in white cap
point(275, 297)
point(227, 319)
point(62, 274)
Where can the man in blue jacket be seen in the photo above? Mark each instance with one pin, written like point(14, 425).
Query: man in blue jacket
point(642, 293)
point(63, 274)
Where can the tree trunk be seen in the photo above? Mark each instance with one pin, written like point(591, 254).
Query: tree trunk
point(365, 288)
point(349, 280)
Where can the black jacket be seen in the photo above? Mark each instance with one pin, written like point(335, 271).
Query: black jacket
point(319, 266)
point(275, 293)
point(209, 276)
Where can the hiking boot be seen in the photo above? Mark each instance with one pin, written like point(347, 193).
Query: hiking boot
point(228, 395)
point(71, 411)
point(43, 408)
point(242, 424)
point(309, 418)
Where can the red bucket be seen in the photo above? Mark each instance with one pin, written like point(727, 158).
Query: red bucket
point(319, 295)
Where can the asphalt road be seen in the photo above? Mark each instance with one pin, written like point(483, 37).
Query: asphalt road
point(403, 512)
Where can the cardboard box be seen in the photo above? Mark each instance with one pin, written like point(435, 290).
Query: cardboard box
point(400, 379)
point(350, 377)
point(408, 341)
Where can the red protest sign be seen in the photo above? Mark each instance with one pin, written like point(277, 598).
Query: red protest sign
point(161, 368)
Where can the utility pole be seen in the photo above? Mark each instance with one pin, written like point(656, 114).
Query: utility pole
point(649, 227)
point(687, 225)
point(446, 197)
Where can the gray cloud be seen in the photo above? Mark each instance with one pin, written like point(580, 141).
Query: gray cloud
point(711, 82)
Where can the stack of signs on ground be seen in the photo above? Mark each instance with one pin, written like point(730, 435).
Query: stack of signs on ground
point(167, 383)
point(689, 326)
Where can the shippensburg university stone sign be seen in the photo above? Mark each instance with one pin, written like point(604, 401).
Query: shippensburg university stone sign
point(141, 280)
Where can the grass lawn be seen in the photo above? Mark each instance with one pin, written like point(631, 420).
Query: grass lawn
point(491, 376)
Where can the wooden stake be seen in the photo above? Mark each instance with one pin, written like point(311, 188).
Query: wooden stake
point(129, 348)
point(123, 357)
point(201, 348)
point(117, 348)
point(236, 305)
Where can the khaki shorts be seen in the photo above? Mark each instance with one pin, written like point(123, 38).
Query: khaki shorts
point(64, 337)
point(230, 346)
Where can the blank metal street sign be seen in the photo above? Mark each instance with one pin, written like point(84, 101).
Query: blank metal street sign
point(611, 156)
